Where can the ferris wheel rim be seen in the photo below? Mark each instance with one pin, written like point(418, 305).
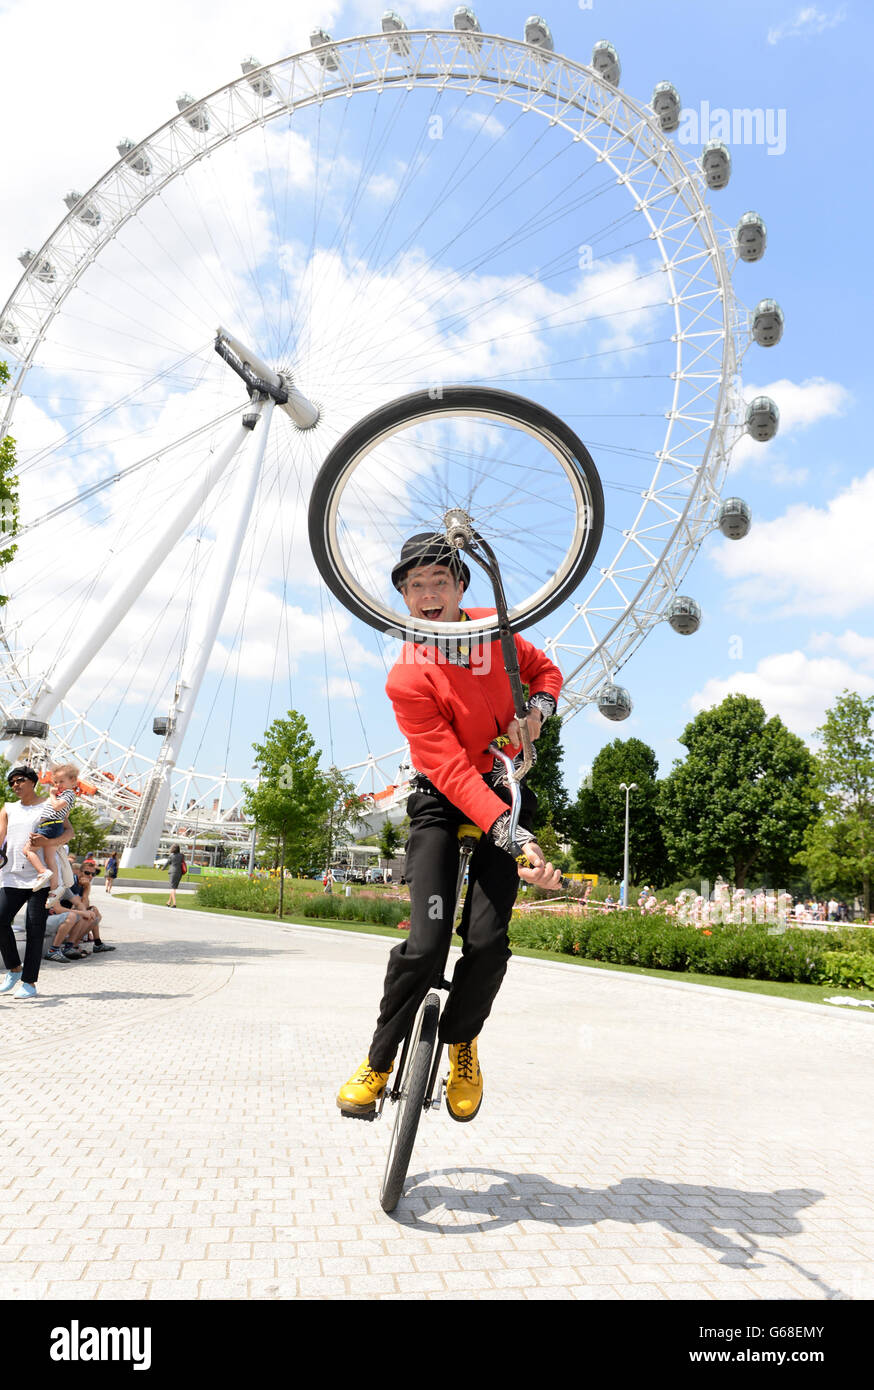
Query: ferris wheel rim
point(706, 472)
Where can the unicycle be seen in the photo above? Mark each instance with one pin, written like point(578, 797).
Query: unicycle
point(417, 1087)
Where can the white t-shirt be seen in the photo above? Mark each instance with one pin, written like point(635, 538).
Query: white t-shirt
point(17, 872)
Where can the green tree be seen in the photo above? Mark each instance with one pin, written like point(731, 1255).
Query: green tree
point(389, 841)
point(8, 495)
point(598, 816)
point(838, 849)
point(549, 842)
point(743, 796)
point(546, 780)
point(91, 833)
point(297, 807)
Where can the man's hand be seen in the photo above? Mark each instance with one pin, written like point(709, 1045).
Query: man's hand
point(534, 720)
point(541, 874)
point(35, 841)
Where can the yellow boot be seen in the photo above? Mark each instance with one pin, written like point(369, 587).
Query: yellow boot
point(464, 1089)
point(361, 1092)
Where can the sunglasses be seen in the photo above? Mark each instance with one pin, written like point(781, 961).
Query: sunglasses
point(14, 781)
point(86, 873)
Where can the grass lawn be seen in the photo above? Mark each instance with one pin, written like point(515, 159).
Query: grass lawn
point(809, 994)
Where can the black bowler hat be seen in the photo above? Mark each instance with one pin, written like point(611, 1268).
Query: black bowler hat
point(27, 772)
point(429, 548)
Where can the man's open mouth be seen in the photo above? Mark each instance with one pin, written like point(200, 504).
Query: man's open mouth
point(432, 614)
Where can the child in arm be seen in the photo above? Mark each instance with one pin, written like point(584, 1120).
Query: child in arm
point(65, 779)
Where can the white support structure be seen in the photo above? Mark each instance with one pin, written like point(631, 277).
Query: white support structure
point(213, 596)
point(58, 683)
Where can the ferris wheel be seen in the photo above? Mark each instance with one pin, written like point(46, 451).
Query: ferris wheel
point(402, 212)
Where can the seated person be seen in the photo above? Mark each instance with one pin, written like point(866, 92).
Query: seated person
point(63, 921)
point(90, 917)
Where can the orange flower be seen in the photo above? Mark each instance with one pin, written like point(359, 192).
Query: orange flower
point(708, 933)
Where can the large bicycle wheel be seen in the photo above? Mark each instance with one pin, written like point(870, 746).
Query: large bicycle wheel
point(409, 1107)
point(527, 483)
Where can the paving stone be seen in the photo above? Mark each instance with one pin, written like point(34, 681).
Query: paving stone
point(202, 1167)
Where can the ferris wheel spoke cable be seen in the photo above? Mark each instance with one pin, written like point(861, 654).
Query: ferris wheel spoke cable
point(123, 473)
point(106, 411)
point(217, 265)
point(457, 277)
point(541, 326)
point(380, 235)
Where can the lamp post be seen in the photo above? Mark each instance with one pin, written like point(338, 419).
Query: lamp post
point(628, 788)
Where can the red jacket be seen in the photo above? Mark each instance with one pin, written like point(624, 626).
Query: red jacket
point(449, 715)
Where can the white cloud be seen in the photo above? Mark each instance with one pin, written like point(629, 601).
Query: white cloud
point(809, 560)
point(797, 687)
point(809, 20)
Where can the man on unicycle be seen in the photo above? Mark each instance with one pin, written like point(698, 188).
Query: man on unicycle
point(451, 701)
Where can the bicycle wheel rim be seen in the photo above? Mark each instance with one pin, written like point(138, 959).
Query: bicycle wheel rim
point(575, 469)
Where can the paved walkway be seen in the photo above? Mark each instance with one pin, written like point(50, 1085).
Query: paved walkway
point(171, 1133)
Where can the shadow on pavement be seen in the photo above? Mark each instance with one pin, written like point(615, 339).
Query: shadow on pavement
point(492, 1198)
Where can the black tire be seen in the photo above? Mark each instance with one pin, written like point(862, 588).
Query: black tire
point(344, 457)
point(409, 1108)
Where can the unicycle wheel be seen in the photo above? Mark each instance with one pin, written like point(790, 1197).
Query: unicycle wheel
point(409, 1106)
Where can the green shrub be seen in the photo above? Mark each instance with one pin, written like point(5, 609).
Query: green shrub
point(357, 909)
point(252, 894)
point(658, 942)
point(849, 969)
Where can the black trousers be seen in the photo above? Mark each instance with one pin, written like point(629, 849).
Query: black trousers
point(416, 964)
point(11, 900)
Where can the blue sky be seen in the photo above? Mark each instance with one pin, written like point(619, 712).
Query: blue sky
point(786, 612)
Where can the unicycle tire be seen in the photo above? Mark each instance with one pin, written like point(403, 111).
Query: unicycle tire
point(409, 1106)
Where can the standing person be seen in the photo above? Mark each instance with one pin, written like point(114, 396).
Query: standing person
point(111, 872)
point(450, 704)
point(328, 881)
point(17, 825)
point(175, 868)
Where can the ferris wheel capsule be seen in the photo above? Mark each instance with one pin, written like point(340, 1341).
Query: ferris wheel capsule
point(684, 615)
point(614, 702)
point(605, 61)
point(87, 213)
point(9, 334)
point(139, 161)
point(196, 116)
point(716, 164)
point(24, 728)
point(767, 323)
point(39, 270)
point(327, 56)
point(762, 419)
point(261, 85)
point(466, 22)
point(538, 33)
point(393, 24)
point(666, 105)
point(751, 237)
point(734, 518)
